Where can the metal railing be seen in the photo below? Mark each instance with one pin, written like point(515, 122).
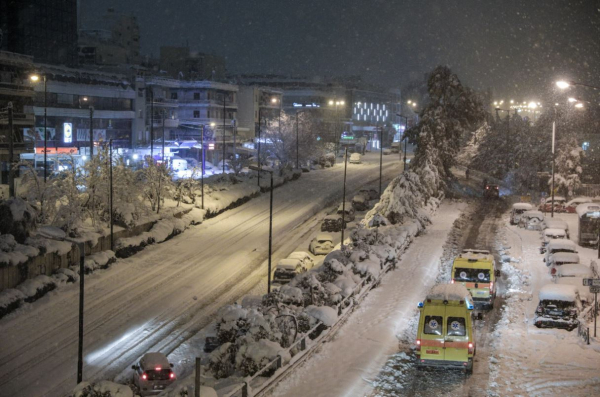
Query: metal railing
point(584, 333)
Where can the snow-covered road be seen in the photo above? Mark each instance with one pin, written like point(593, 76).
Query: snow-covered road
point(160, 297)
point(347, 365)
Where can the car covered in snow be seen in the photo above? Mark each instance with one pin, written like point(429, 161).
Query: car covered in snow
point(152, 374)
point(559, 307)
point(559, 259)
point(355, 158)
point(573, 274)
point(570, 207)
point(333, 224)
point(327, 160)
point(348, 209)
point(551, 234)
point(556, 223)
point(371, 194)
point(517, 210)
point(286, 270)
point(531, 220)
point(322, 244)
point(360, 202)
point(304, 257)
point(559, 204)
point(560, 245)
point(491, 191)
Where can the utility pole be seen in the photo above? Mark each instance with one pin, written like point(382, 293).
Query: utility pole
point(344, 197)
point(202, 176)
point(11, 151)
point(380, 158)
point(258, 155)
point(553, 162)
point(45, 130)
point(223, 133)
point(110, 159)
point(91, 131)
point(151, 123)
point(163, 135)
point(297, 143)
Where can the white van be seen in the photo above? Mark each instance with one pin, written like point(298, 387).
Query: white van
point(517, 210)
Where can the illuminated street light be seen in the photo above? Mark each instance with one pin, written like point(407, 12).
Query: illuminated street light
point(409, 102)
point(563, 84)
point(35, 78)
point(414, 104)
point(331, 102)
point(579, 105)
point(532, 105)
point(213, 124)
point(512, 101)
point(572, 100)
point(496, 103)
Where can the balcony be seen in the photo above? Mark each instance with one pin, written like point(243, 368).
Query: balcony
point(10, 89)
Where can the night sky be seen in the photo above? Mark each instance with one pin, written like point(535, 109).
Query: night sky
point(518, 48)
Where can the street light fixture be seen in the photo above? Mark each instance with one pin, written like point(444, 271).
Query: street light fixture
point(35, 78)
point(563, 85)
point(259, 169)
point(579, 105)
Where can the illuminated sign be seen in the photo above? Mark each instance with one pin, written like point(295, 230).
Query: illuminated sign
point(211, 146)
point(306, 105)
point(57, 150)
point(67, 132)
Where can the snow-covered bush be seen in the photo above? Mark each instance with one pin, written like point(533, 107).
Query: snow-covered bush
point(64, 275)
point(222, 360)
point(99, 260)
point(18, 218)
point(35, 288)
point(253, 356)
point(103, 388)
point(13, 253)
point(10, 300)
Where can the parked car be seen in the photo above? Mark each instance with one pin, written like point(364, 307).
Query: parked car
point(556, 246)
point(570, 206)
point(556, 223)
point(551, 234)
point(286, 270)
point(360, 202)
point(559, 204)
point(350, 213)
point(322, 244)
point(517, 210)
point(573, 274)
point(491, 191)
point(304, 257)
point(355, 158)
point(332, 224)
point(559, 307)
point(559, 259)
point(327, 160)
point(387, 151)
point(531, 220)
point(152, 374)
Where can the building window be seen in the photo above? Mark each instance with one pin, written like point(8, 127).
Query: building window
point(208, 114)
point(173, 95)
point(196, 96)
point(196, 114)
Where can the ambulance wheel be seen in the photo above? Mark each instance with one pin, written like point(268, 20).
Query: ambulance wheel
point(469, 367)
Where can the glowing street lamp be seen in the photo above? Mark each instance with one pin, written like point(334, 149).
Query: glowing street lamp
point(532, 105)
point(579, 105)
point(572, 100)
point(563, 84)
point(35, 78)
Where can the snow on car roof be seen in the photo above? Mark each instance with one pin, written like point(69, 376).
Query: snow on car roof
point(534, 214)
point(348, 206)
point(448, 292)
point(562, 244)
point(359, 198)
point(332, 217)
point(555, 232)
point(324, 236)
point(298, 255)
point(556, 198)
point(579, 200)
point(522, 206)
point(569, 257)
point(584, 208)
point(288, 264)
point(475, 251)
point(574, 270)
point(554, 223)
point(558, 292)
point(355, 155)
point(153, 360)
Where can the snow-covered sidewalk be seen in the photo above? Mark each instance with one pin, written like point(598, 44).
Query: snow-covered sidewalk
point(347, 365)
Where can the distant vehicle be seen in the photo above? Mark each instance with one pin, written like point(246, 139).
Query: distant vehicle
point(332, 224)
point(573, 274)
point(349, 210)
point(355, 158)
point(571, 206)
point(152, 374)
point(560, 245)
point(360, 202)
point(559, 259)
point(304, 257)
point(517, 210)
point(559, 204)
point(556, 223)
point(589, 223)
point(445, 334)
point(559, 307)
point(370, 193)
point(491, 191)
point(551, 234)
point(286, 270)
point(322, 244)
point(387, 151)
point(476, 270)
point(327, 160)
point(178, 164)
point(531, 220)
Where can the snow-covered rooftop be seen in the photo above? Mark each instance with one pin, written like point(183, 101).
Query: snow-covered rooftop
point(584, 208)
point(579, 200)
point(288, 264)
point(559, 292)
point(555, 223)
point(324, 237)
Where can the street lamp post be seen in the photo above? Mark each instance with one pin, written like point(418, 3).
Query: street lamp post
point(297, 142)
point(54, 233)
point(562, 84)
point(203, 159)
point(151, 92)
point(91, 132)
point(259, 169)
point(380, 158)
point(163, 135)
point(404, 137)
point(36, 78)
point(335, 125)
point(110, 163)
point(223, 133)
point(259, 127)
point(344, 197)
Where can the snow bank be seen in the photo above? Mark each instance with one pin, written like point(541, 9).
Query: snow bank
point(559, 292)
point(10, 300)
point(48, 246)
point(325, 314)
point(13, 253)
point(99, 260)
point(103, 388)
point(37, 287)
point(260, 354)
point(449, 292)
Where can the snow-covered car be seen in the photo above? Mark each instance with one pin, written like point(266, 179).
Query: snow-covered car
point(349, 210)
point(387, 151)
point(570, 206)
point(307, 260)
point(152, 374)
point(531, 220)
point(360, 202)
point(559, 204)
point(286, 270)
point(558, 246)
point(332, 224)
point(556, 223)
point(559, 307)
point(517, 210)
point(178, 164)
point(551, 234)
point(370, 193)
point(327, 160)
point(355, 158)
point(218, 167)
point(573, 274)
point(322, 244)
point(561, 258)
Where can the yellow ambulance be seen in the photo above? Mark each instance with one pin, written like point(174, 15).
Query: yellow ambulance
point(445, 335)
point(476, 270)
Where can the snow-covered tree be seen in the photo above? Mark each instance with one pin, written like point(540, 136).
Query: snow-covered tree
point(568, 166)
point(157, 182)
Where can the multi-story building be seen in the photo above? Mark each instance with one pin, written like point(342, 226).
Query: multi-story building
point(44, 29)
point(256, 104)
point(70, 93)
point(181, 63)
point(14, 89)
